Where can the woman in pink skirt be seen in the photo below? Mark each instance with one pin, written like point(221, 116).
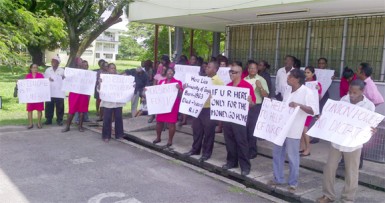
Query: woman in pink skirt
point(39, 107)
point(172, 117)
point(77, 103)
point(305, 139)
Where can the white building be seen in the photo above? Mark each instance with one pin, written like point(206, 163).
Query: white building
point(106, 47)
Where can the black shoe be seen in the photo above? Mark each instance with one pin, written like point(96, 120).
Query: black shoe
point(227, 167)
point(48, 122)
point(203, 159)
point(59, 123)
point(190, 153)
point(314, 140)
point(253, 156)
point(245, 172)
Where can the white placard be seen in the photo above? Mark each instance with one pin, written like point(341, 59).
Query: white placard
point(313, 86)
point(223, 74)
point(345, 124)
point(274, 121)
point(33, 90)
point(324, 77)
point(161, 98)
point(56, 86)
point(182, 70)
point(195, 95)
point(79, 81)
point(229, 104)
point(116, 88)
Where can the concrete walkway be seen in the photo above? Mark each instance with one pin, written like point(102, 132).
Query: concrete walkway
point(372, 176)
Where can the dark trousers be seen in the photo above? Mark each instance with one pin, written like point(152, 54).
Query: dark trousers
point(50, 106)
point(203, 131)
point(252, 118)
point(236, 145)
point(107, 122)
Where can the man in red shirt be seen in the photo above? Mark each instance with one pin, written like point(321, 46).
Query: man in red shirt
point(235, 135)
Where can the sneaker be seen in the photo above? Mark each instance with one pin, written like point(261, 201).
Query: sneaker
point(324, 199)
point(291, 189)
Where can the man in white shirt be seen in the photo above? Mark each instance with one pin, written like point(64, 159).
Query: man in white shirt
point(55, 74)
point(281, 85)
point(351, 154)
point(302, 97)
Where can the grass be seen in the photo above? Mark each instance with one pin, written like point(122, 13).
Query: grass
point(13, 113)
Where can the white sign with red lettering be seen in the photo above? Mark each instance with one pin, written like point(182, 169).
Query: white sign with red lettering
point(274, 121)
point(33, 90)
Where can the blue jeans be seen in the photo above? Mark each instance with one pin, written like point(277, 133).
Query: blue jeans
point(291, 146)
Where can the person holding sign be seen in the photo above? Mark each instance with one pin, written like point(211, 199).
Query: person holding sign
point(351, 155)
point(204, 128)
point(39, 107)
point(78, 103)
point(172, 117)
point(302, 97)
point(236, 135)
point(281, 79)
point(305, 139)
point(55, 74)
point(111, 110)
point(261, 90)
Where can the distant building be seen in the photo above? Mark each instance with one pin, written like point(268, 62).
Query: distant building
point(106, 46)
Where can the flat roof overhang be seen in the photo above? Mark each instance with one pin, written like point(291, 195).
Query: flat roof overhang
point(215, 15)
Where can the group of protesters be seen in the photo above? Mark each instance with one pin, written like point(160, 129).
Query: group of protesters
point(356, 88)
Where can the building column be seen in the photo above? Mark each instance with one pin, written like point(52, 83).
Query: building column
point(216, 43)
point(178, 45)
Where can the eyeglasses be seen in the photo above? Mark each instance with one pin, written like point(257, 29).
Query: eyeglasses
point(233, 72)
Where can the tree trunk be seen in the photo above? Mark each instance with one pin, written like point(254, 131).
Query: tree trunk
point(37, 55)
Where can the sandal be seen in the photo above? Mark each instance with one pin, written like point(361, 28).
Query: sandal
point(39, 126)
point(81, 129)
point(156, 141)
point(30, 127)
point(66, 129)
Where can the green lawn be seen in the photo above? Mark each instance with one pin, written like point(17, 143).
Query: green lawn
point(13, 113)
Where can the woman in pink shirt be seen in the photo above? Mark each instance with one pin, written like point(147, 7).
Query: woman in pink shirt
point(39, 107)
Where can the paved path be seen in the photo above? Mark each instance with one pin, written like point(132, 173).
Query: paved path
point(49, 166)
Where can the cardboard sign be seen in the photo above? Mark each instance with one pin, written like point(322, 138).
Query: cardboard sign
point(229, 104)
point(325, 78)
point(223, 74)
point(161, 98)
point(195, 95)
point(33, 90)
point(345, 124)
point(313, 86)
point(182, 70)
point(116, 88)
point(274, 121)
point(79, 81)
point(56, 86)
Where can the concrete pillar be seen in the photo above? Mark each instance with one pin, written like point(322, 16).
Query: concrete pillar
point(216, 43)
point(178, 45)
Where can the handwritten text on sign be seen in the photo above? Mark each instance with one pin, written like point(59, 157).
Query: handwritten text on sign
point(313, 85)
point(33, 90)
point(345, 124)
point(116, 88)
point(56, 86)
point(161, 98)
point(195, 95)
point(79, 81)
point(223, 74)
point(182, 70)
point(274, 121)
point(229, 104)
